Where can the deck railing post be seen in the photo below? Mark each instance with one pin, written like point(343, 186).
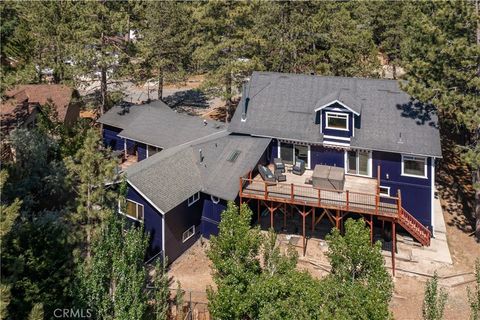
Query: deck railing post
point(240, 189)
point(291, 192)
point(377, 203)
point(399, 203)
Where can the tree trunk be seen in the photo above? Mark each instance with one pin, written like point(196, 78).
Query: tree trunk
point(103, 81)
point(228, 92)
point(160, 84)
point(103, 89)
point(477, 136)
point(477, 205)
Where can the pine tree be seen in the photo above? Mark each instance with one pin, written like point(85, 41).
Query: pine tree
point(89, 170)
point(225, 46)
point(37, 312)
point(359, 286)
point(162, 291)
point(474, 296)
point(164, 43)
point(113, 278)
point(99, 44)
point(440, 54)
point(434, 300)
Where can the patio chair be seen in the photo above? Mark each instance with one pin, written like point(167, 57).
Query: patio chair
point(279, 165)
point(299, 167)
point(280, 176)
point(266, 174)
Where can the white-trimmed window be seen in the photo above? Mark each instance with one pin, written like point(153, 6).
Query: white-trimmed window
point(215, 199)
point(190, 232)
point(193, 198)
point(384, 191)
point(336, 121)
point(414, 166)
point(359, 162)
point(133, 210)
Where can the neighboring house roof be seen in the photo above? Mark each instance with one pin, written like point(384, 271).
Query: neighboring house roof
point(283, 106)
point(172, 176)
point(57, 95)
point(157, 124)
point(21, 102)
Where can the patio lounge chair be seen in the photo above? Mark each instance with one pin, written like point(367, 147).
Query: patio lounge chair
point(279, 165)
point(299, 167)
point(280, 176)
point(266, 174)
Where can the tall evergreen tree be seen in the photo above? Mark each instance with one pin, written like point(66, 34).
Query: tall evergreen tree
point(225, 46)
point(99, 47)
point(359, 286)
point(441, 56)
point(164, 43)
point(112, 280)
point(89, 170)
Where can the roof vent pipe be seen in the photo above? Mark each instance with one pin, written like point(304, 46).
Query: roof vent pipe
point(246, 99)
point(200, 155)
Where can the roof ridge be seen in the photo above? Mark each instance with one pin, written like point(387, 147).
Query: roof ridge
point(324, 76)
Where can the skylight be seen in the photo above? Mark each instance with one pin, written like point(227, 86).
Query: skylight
point(233, 156)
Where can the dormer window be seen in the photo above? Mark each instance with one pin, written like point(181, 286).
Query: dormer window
point(336, 121)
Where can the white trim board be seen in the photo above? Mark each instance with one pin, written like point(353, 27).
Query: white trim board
point(145, 197)
point(340, 103)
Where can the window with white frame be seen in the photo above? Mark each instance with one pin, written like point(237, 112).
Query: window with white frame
point(414, 166)
point(190, 232)
point(133, 210)
point(336, 121)
point(385, 191)
point(359, 162)
point(193, 198)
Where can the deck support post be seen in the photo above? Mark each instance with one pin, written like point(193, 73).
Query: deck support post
point(313, 219)
point(337, 220)
point(303, 230)
point(271, 209)
point(285, 216)
point(394, 245)
point(371, 229)
point(258, 212)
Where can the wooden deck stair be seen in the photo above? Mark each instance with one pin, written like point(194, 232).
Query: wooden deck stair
point(414, 227)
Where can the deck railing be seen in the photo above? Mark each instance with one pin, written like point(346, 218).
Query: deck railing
point(345, 200)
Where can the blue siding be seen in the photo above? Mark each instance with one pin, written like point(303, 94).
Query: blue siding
point(141, 151)
point(211, 216)
point(152, 221)
point(273, 149)
point(111, 139)
point(177, 221)
point(131, 147)
point(326, 156)
point(416, 192)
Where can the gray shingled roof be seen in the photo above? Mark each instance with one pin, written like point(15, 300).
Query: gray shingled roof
point(282, 106)
point(157, 124)
point(121, 116)
point(173, 175)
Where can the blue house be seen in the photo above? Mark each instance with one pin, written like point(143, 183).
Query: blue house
point(357, 124)
point(179, 190)
point(385, 143)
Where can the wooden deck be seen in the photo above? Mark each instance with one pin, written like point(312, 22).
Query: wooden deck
point(359, 194)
